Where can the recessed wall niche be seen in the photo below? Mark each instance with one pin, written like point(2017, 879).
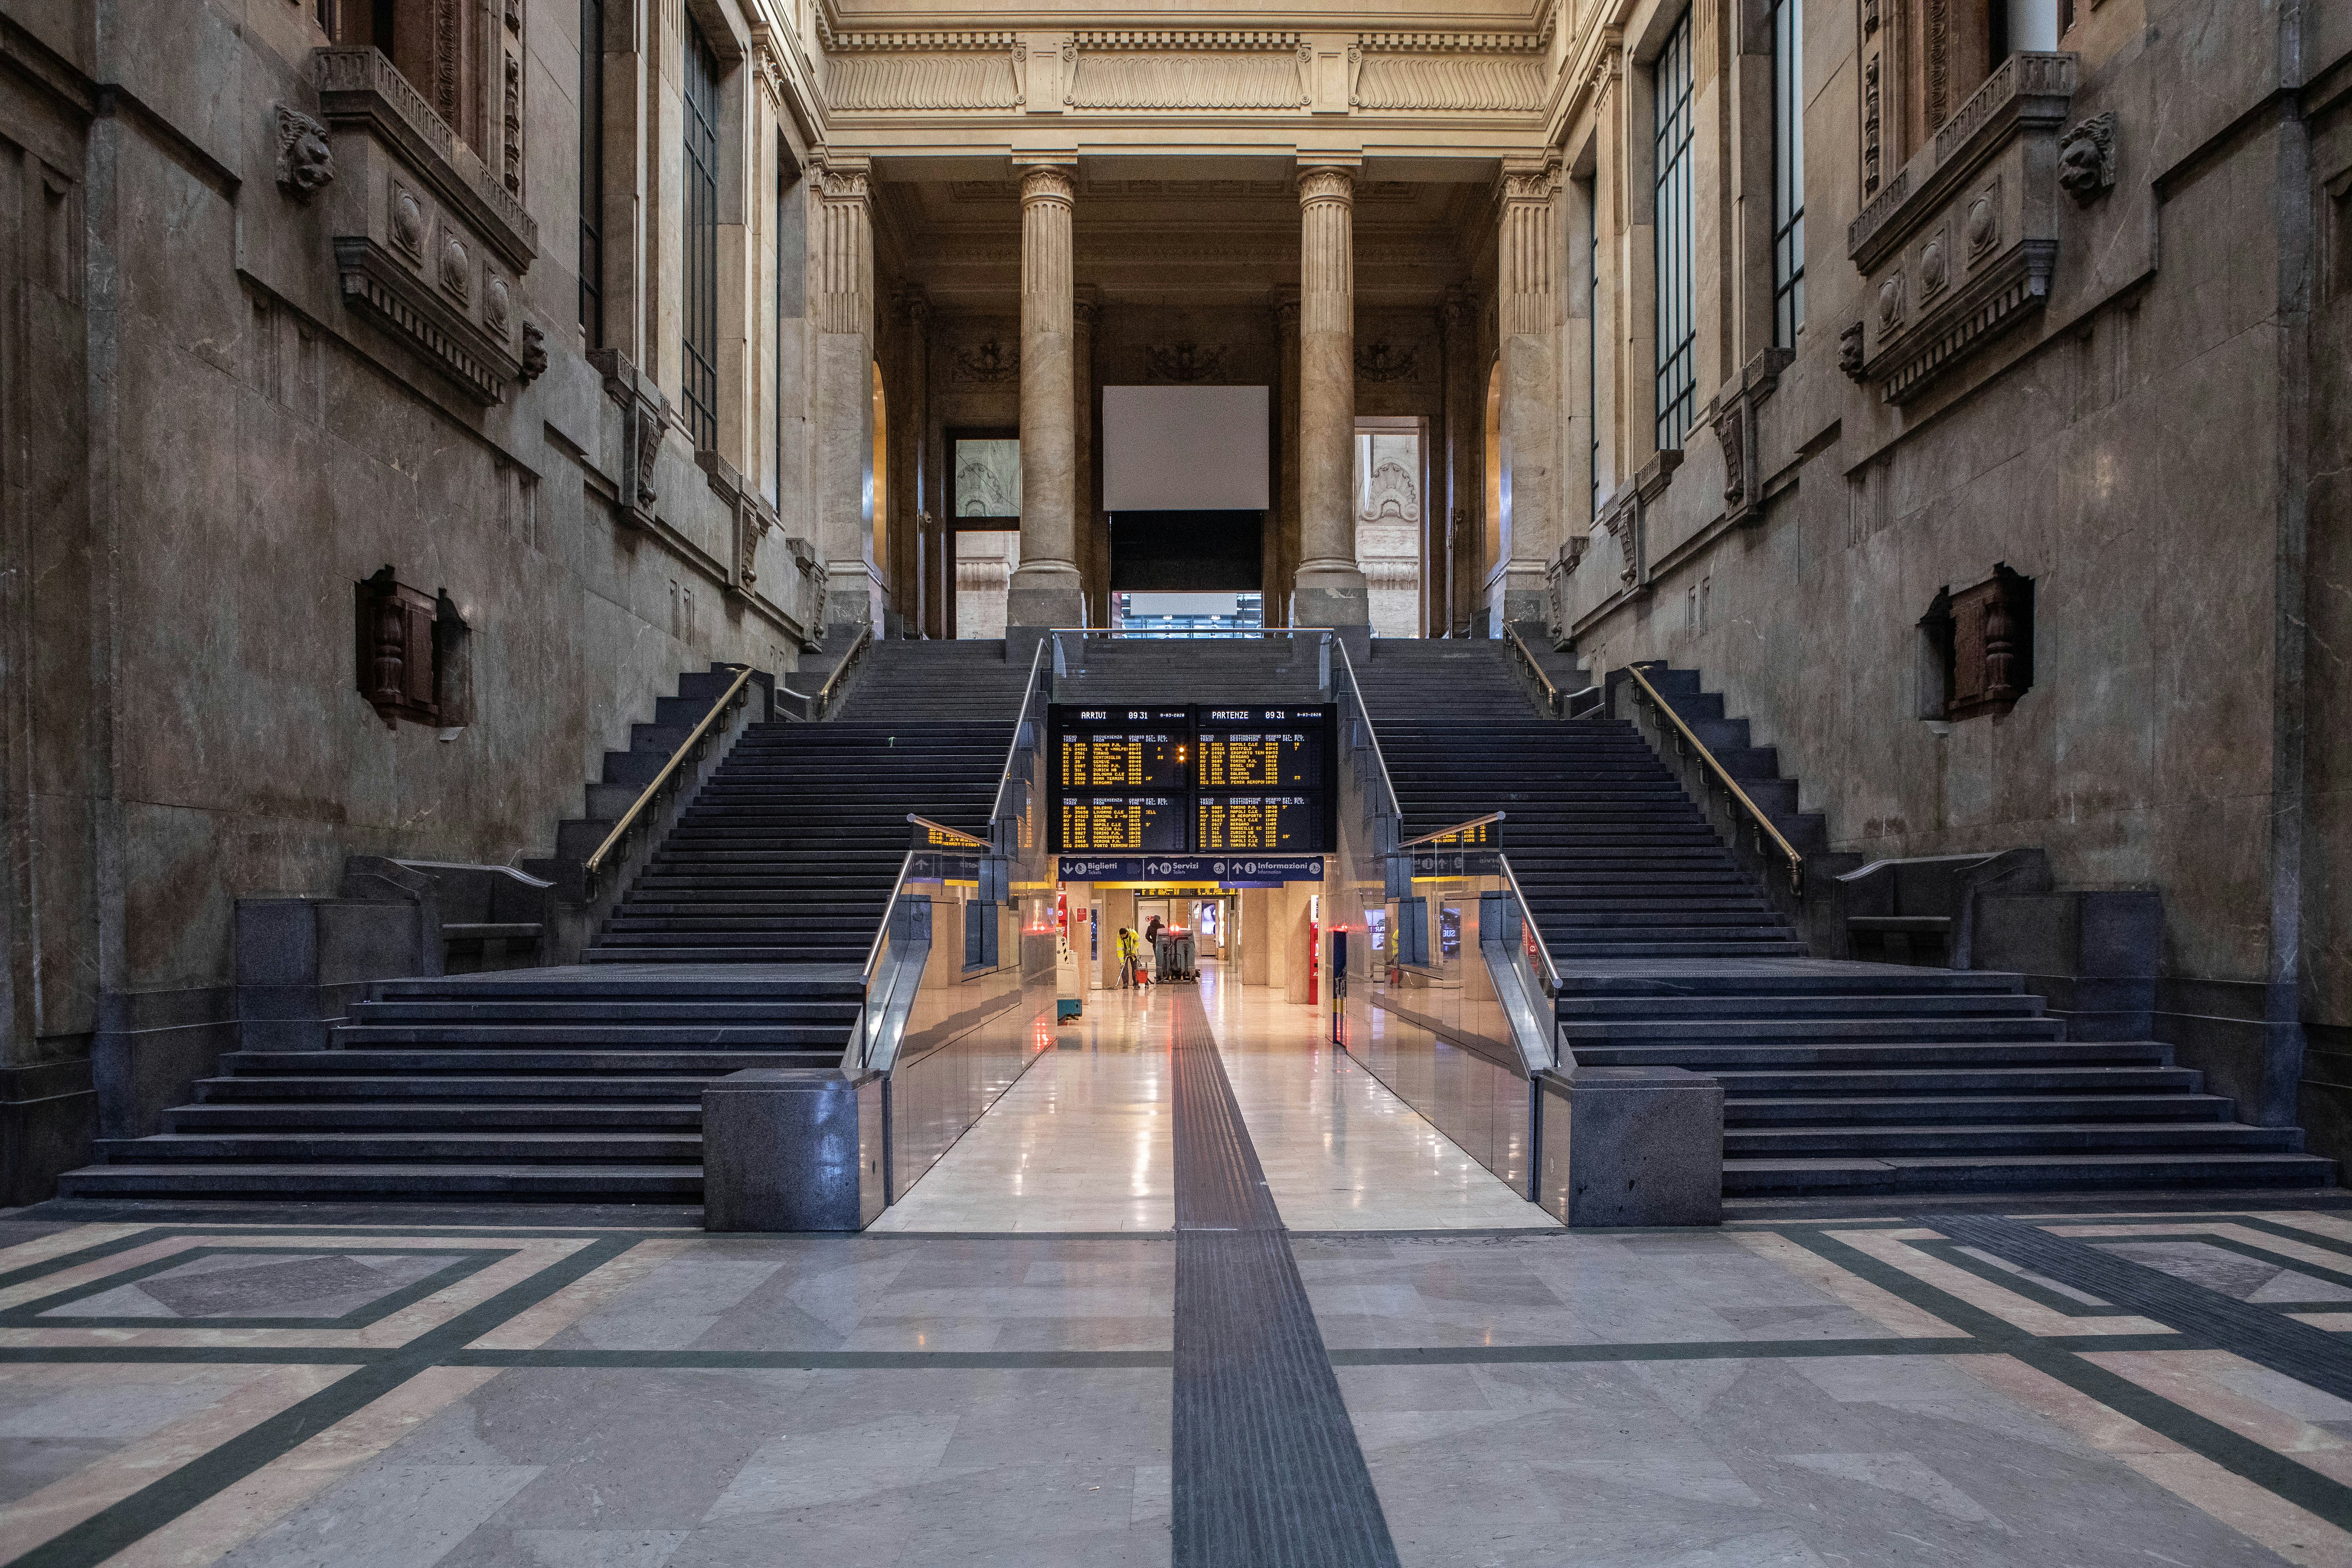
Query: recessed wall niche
point(1976, 648)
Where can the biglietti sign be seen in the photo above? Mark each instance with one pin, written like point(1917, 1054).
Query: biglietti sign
point(1236, 870)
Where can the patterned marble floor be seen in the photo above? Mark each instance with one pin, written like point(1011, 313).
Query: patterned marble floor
point(271, 1394)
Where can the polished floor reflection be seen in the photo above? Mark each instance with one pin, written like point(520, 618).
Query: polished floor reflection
point(1341, 1152)
point(1082, 1142)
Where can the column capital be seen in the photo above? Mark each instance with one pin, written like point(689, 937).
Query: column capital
point(1285, 305)
point(1528, 179)
point(1048, 180)
point(1326, 183)
point(915, 303)
point(845, 177)
point(1086, 301)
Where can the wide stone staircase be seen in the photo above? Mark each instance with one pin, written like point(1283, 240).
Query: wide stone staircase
point(738, 944)
point(1839, 1077)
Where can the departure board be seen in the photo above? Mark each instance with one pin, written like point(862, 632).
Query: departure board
point(1140, 824)
point(1261, 759)
point(1265, 823)
point(1166, 781)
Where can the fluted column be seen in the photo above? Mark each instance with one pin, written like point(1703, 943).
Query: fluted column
point(1330, 585)
point(1046, 590)
point(841, 299)
point(1528, 305)
point(1281, 553)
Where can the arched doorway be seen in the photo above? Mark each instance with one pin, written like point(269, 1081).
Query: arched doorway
point(878, 482)
point(1497, 531)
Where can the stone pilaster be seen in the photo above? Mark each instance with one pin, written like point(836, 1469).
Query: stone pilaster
point(1527, 302)
point(841, 299)
point(1330, 586)
point(1046, 590)
point(910, 481)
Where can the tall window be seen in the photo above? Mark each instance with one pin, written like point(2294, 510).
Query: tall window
point(701, 302)
point(784, 172)
point(592, 172)
point(784, 196)
point(1787, 171)
point(1592, 339)
point(1678, 293)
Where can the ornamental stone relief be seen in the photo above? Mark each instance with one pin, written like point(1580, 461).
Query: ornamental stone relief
point(1185, 362)
point(991, 362)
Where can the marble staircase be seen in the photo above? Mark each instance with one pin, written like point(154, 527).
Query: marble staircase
point(1839, 1077)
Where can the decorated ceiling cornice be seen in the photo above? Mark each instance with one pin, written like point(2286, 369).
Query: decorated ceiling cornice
point(874, 76)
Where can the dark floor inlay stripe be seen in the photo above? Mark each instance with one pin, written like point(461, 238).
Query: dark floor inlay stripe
point(1266, 1469)
point(2262, 1335)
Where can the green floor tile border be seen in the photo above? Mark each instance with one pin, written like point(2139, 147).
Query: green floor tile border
point(377, 1372)
point(2241, 1456)
point(41, 1311)
point(159, 1502)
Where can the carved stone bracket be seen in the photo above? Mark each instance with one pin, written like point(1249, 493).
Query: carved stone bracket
point(1626, 521)
point(644, 416)
point(306, 163)
point(1736, 428)
point(534, 353)
point(752, 517)
point(2086, 158)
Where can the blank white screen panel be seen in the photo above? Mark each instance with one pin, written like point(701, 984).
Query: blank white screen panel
point(1184, 449)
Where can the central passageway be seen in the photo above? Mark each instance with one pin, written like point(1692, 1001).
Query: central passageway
point(1083, 1142)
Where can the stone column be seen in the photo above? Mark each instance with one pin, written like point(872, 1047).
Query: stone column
point(1281, 552)
point(1330, 587)
point(1461, 454)
point(908, 510)
point(1093, 535)
point(841, 298)
point(1046, 591)
point(1527, 301)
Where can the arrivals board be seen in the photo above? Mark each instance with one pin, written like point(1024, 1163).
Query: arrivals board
point(1129, 749)
point(1165, 780)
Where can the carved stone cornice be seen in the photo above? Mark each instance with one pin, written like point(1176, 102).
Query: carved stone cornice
point(1186, 71)
point(1964, 239)
point(1460, 73)
point(387, 287)
point(2026, 93)
point(360, 92)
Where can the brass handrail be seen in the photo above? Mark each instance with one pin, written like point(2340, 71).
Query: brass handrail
point(1527, 914)
point(1012, 753)
point(1723, 775)
point(1457, 828)
point(694, 738)
point(958, 834)
point(824, 694)
point(1340, 645)
point(1527, 657)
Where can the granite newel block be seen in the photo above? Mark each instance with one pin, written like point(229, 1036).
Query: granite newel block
point(791, 1149)
point(1633, 1145)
